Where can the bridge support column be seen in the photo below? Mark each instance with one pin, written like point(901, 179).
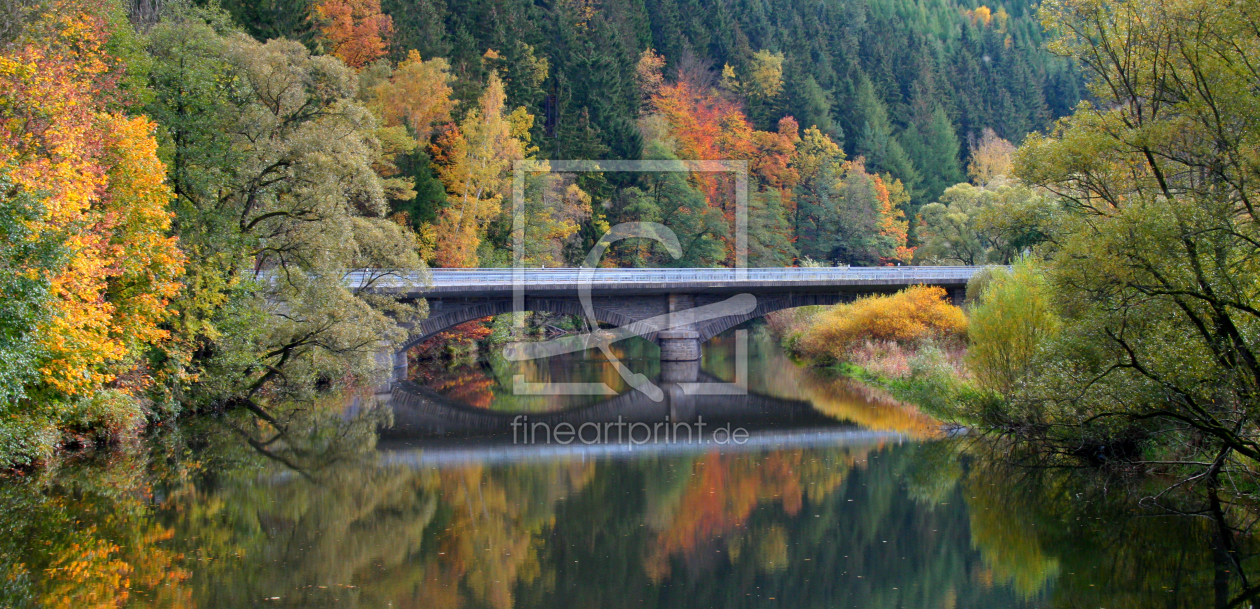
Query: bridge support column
point(682, 406)
point(389, 358)
point(680, 343)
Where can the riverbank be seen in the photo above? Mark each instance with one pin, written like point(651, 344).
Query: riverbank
point(912, 344)
point(991, 367)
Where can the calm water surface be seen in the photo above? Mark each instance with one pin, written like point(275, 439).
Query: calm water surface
point(841, 498)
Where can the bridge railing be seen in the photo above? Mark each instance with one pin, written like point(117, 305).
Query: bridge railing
point(602, 276)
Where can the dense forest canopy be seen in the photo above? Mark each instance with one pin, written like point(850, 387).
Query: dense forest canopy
point(909, 86)
point(984, 65)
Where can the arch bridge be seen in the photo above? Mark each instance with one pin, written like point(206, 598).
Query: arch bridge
point(677, 308)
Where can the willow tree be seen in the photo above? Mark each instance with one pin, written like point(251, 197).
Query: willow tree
point(271, 160)
point(1158, 266)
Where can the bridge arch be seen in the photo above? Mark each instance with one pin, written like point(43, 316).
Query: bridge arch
point(443, 320)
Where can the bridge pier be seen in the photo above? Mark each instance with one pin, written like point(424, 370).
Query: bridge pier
point(400, 366)
point(958, 296)
point(681, 343)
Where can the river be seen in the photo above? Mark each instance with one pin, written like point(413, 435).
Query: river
point(429, 497)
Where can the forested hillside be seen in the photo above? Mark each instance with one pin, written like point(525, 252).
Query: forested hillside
point(907, 85)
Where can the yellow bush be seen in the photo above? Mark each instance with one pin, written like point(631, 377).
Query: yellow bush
point(913, 315)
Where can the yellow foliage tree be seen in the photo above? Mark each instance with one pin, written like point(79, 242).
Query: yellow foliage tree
point(104, 190)
point(417, 95)
point(1015, 316)
point(648, 74)
point(474, 162)
point(414, 99)
point(990, 159)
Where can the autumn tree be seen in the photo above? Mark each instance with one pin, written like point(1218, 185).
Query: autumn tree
point(700, 123)
point(411, 101)
point(648, 74)
point(475, 162)
point(1156, 261)
point(416, 94)
point(356, 31)
point(990, 159)
point(554, 209)
point(102, 193)
point(760, 85)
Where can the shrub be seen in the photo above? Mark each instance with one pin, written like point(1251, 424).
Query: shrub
point(914, 315)
point(1015, 315)
point(791, 324)
point(26, 439)
point(979, 282)
point(106, 414)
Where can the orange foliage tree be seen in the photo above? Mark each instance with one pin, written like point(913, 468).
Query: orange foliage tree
point(708, 125)
point(356, 31)
point(705, 124)
point(105, 192)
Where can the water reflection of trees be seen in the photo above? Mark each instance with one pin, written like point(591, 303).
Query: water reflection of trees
point(300, 510)
point(85, 535)
point(773, 374)
point(1086, 539)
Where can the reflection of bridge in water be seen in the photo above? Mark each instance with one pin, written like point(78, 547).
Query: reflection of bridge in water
point(422, 411)
point(431, 428)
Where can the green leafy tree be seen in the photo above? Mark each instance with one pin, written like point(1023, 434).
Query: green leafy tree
point(971, 225)
point(670, 199)
point(769, 231)
point(1014, 317)
point(271, 160)
point(1156, 268)
point(28, 260)
point(820, 164)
